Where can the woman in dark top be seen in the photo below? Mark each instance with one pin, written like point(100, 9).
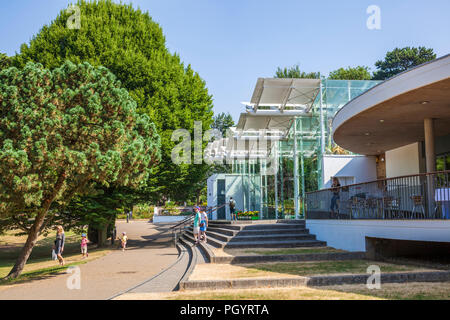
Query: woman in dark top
point(59, 244)
point(335, 189)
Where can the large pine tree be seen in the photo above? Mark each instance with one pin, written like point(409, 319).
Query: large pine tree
point(62, 131)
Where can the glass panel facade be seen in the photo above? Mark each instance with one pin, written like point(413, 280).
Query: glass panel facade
point(274, 194)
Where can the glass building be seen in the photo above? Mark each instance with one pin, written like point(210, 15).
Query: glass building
point(275, 153)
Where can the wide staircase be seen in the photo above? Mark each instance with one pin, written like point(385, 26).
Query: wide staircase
point(258, 234)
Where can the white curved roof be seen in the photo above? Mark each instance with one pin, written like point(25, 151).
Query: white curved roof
point(391, 114)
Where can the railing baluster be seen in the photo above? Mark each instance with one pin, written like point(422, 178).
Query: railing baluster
point(421, 196)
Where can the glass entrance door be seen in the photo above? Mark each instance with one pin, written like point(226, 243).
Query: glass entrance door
point(221, 213)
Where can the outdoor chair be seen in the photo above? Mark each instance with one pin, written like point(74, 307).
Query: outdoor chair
point(372, 207)
point(418, 203)
point(358, 205)
point(391, 204)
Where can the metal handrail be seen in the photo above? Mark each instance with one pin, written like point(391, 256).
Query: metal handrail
point(380, 180)
point(419, 196)
point(188, 220)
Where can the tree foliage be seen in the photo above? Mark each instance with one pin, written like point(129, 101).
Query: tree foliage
point(61, 131)
point(399, 60)
point(132, 46)
point(351, 73)
point(222, 122)
point(295, 72)
point(5, 61)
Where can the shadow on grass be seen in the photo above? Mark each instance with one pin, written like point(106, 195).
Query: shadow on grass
point(41, 274)
point(326, 267)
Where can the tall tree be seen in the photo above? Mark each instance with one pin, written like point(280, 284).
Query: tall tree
point(399, 60)
point(351, 73)
point(5, 61)
point(222, 122)
point(61, 131)
point(295, 72)
point(129, 43)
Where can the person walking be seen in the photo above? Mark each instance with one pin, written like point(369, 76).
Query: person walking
point(232, 205)
point(334, 200)
point(59, 244)
point(196, 227)
point(113, 235)
point(124, 241)
point(84, 242)
point(203, 225)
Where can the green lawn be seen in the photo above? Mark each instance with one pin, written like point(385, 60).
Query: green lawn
point(327, 267)
point(267, 252)
point(391, 291)
point(40, 264)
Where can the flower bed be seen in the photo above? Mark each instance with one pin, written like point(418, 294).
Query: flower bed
point(247, 215)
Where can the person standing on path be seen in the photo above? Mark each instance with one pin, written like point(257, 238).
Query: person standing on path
point(232, 205)
point(335, 199)
point(196, 227)
point(84, 242)
point(59, 244)
point(124, 240)
point(113, 235)
point(203, 225)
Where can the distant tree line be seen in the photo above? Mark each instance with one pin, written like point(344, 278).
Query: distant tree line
point(395, 62)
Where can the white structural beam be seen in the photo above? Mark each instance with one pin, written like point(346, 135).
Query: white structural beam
point(295, 155)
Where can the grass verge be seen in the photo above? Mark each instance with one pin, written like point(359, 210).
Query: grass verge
point(394, 291)
point(40, 264)
point(41, 268)
point(290, 269)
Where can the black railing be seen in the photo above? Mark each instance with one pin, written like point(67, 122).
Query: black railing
point(421, 196)
point(179, 228)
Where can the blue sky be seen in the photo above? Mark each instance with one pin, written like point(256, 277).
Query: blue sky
point(231, 43)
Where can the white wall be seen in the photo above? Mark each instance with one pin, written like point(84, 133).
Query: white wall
point(165, 219)
point(362, 168)
point(351, 234)
point(233, 188)
point(212, 190)
point(403, 161)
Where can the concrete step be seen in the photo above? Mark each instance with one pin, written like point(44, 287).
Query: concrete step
point(291, 221)
point(272, 237)
point(225, 226)
point(277, 226)
point(267, 236)
point(218, 236)
point(276, 244)
point(247, 232)
point(228, 232)
point(266, 244)
point(202, 248)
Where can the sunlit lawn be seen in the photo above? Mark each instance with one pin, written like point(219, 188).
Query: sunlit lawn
point(391, 291)
point(291, 269)
point(40, 263)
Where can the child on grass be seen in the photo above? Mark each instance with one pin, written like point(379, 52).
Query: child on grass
point(84, 242)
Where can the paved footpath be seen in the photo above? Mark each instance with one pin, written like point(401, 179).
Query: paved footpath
point(150, 251)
